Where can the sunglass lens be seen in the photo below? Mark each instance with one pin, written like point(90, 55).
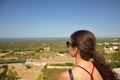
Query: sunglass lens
point(67, 44)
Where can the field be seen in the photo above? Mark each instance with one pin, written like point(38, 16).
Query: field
point(55, 73)
point(29, 57)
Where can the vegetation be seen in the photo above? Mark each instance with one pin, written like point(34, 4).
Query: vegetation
point(46, 74)
point(32, 49)
point(28, 66)
point(36, 49)
point(115, 60)
point(65, 64)
point(12, 60)
point(17, 51)
point(8, 73)
point(112, 58)
point(32, 45)
point(55, 73)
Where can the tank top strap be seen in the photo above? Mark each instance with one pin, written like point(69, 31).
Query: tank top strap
point(92, 78)
point(91, 74)
point(92, 70)
point(70, 74)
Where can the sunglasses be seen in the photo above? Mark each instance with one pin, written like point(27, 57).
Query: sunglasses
point(68, 44)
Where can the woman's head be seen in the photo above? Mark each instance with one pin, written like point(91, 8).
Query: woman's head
point(85, 41)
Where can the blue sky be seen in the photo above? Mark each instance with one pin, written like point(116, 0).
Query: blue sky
point(58, 18)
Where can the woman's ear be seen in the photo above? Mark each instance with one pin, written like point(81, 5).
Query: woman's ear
point(76, 50)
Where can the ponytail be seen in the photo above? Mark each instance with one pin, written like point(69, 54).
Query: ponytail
point(104, 69)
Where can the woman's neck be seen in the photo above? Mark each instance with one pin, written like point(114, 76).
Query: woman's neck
point(80, 61)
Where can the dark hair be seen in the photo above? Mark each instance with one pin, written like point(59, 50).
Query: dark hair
point(85, 41)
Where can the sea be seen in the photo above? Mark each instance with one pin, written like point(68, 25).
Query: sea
point(46, 38)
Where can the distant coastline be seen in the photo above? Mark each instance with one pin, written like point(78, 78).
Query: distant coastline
point(52, 38)
point(46, 38)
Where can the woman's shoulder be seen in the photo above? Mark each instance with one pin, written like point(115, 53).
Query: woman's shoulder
point(64, 75)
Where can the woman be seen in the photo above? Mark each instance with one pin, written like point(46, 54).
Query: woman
point(89, 64)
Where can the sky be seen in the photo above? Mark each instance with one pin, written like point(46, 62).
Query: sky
point(58, 18)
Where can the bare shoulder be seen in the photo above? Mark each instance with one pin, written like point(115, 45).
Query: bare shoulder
point(64, 76)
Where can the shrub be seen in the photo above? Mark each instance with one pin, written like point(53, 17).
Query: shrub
point(8, 74)
point(28, 66)
point(65, 64)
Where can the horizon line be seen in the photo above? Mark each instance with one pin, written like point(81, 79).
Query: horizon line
point(46, 37)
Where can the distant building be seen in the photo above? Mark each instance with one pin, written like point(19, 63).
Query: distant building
point(100, 44)
point(47, 48)
point(106, 43)
point(115, 43)
point(115, 47)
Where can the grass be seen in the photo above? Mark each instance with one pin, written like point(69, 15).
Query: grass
point(52, 74)
point(66, 64)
